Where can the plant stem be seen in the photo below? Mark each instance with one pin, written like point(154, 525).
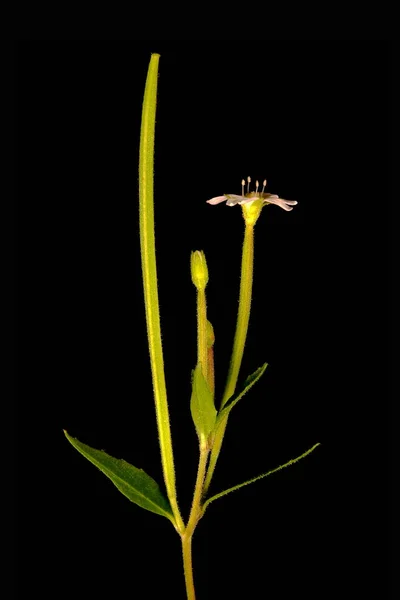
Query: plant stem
point(188, 567)
point(195, 515)
point(202, 351)
point(242, 323)
point(210, 370)
point(149, 270)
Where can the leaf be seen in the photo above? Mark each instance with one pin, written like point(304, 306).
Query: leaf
point(134, 483)
point(248, 384)
point(240, 485)
point(202, 406)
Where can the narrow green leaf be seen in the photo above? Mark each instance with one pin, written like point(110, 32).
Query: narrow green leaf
point(240, 485)
point(134, 483)
point(248, 384)
point(202, 405)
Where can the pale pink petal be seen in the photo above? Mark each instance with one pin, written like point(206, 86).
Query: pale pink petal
point(217, 200)
point(285, 204)
point(233, 199)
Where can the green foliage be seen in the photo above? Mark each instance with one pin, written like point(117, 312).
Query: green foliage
point(240, 485)
point(248, 384)
point(134, 483)
point(202, 406)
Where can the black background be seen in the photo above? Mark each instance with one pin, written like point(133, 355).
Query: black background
point(312, 118)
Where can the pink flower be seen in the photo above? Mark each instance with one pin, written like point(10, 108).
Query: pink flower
point(232, 199)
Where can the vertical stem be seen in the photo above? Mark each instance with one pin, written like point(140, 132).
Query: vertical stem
point(202, 352)
point(149, 270)
point(195, 511)
point(242, 323)
point(188, 567)
point(210, 358)
point(195, 514)
point(210, 370)
point(246, 286)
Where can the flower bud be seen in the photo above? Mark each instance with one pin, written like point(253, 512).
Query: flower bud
point(199, 271)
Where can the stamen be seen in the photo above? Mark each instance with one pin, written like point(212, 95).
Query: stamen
point(248, 184)
point(256, 187)
point(263, 187)
point(243, 184)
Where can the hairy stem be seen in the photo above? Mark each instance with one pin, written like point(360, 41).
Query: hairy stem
point(202, 352)
point(242, 323)
point(188, 567)
point(195, 515)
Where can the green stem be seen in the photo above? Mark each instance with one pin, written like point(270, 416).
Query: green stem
point(188, 567)
point(149, 270)
point(202, 350)
point(216, 449)
point(242, 323)
point(195, 515)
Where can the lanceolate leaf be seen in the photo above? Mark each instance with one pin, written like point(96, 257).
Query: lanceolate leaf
point(250, 381)
point(240, 485)
point(202, 405)
point(134, 483)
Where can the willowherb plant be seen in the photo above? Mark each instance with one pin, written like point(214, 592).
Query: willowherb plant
point(210, 423)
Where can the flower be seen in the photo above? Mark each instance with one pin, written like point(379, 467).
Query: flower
point(232, 199)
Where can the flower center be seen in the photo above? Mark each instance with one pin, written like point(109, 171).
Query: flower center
point(255, 194)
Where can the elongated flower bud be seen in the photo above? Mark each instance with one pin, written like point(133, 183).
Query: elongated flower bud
point(199, 270)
